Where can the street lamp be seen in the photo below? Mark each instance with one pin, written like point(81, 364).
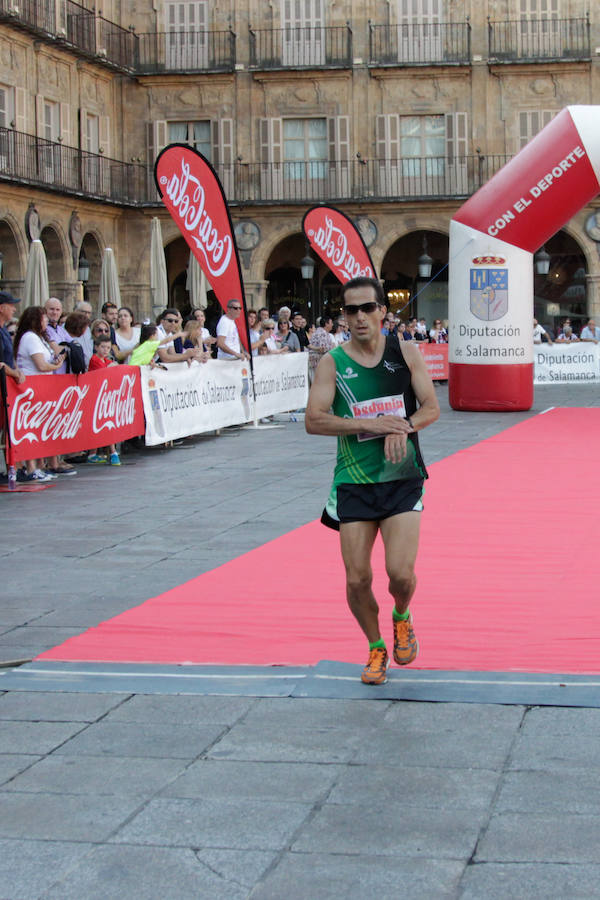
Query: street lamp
point(542, 262)
point(424, 262)
point(83, 273)
point(307, 267)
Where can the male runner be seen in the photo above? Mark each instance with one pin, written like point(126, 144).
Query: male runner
point(366, 392)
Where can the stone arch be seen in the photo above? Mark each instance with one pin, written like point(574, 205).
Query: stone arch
point(57, 256)
point(92, 247)
point(14, 255)
point(407, 292)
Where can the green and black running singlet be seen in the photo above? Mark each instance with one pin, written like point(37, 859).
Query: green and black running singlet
point(385, 389)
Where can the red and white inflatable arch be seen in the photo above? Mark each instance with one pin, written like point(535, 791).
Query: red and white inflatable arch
point(492, 241)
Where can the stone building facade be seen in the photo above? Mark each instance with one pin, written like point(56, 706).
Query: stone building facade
point(394, 112)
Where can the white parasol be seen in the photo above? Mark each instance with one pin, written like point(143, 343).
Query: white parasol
point(37, 289)
point(109, 279)
point(196, 284)
point(159, 285)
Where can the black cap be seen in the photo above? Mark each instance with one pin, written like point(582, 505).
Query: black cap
point(5, 297)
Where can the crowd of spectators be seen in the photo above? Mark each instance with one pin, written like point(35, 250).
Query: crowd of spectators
point(47, 340)
point(566, 333)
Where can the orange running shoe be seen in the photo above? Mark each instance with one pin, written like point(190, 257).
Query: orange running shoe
point(406, 646)
point(375, 671)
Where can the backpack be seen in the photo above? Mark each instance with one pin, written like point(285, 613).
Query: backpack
point(75, 358)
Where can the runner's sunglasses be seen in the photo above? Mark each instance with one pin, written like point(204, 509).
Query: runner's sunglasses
point(355, 308)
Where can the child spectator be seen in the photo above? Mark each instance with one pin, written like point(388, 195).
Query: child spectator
point(150, 341)
point(100, 359)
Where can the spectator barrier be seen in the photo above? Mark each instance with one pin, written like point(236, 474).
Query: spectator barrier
point(436, 359)
point(563, 363)
point(72, 413)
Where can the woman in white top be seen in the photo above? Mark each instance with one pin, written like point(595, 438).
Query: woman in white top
point(34, 356)
point(127, 335)
point(33, 353)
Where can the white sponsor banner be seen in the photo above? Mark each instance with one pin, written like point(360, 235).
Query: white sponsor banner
point(562, 363)
point(192, 399)
point(182, 400)
point(281, 383)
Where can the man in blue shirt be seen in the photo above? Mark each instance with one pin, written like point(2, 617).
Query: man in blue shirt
point(8, 305)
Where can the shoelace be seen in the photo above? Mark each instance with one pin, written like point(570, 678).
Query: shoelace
point(377, 658)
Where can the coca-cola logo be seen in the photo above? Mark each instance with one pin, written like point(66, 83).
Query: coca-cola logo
point(47, 420)
point(188, 203)
point(338, 243)
point(114, 408)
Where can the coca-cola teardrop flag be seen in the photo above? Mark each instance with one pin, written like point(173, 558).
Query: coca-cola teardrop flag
point(191, 191)
point(335, 238)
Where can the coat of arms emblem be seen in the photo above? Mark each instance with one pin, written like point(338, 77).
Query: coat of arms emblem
point(489, 293)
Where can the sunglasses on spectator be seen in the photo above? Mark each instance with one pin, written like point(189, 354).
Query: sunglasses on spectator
point(235, 307)
point(12, 331)
point(171, 321)
point(267, 328)
point(355, 308)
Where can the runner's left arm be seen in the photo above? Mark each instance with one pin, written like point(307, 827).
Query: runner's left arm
point(429, 408)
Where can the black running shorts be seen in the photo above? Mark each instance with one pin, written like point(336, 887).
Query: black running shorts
point(373, 502)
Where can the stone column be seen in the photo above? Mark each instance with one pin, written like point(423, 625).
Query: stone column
point(256, 293)
point(593, 296)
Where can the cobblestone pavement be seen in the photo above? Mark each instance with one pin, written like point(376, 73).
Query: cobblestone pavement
point(183, 797)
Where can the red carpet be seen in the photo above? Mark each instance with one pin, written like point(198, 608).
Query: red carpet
point(507, 574)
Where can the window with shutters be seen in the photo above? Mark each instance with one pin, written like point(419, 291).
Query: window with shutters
point(48, 130)
point(186, 26)
point(303, 32)
point(422, 155)
point(419, 31)
point(532, 121)
point(196, 134)
point(305, 149)
point(304, 159)
point(539, 28)
point(90, 144)
point(7, 117)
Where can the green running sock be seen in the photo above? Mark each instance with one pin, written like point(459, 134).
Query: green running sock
point(376, 644)
point(400, 617)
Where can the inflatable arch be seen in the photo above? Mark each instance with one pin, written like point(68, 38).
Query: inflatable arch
point(492, 240)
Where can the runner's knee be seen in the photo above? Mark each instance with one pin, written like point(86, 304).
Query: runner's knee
point(359, 582)
point(402, 584)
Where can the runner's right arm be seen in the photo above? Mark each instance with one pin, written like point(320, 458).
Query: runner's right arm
point(320, 420)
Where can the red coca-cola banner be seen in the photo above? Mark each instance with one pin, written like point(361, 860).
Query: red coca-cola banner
point(69, 413)
point(335, 238)
point(191, 191)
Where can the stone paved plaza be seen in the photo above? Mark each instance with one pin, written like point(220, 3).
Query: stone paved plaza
point(119, 794)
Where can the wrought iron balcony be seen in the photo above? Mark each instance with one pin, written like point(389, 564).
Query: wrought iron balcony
point(186, 51)
point(75, 27)
point(357, 180)
point(424, 44)
point(301, 48)
point(26, 159)
point(537, 40)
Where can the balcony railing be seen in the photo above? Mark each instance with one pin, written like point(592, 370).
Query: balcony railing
point(186, 51)
point(26, 159)
point(116, 45)
point(30, 160)
point(358, 180)
point(534, 40)
point(424, 44)
point(301, 48)
point(79, 27)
